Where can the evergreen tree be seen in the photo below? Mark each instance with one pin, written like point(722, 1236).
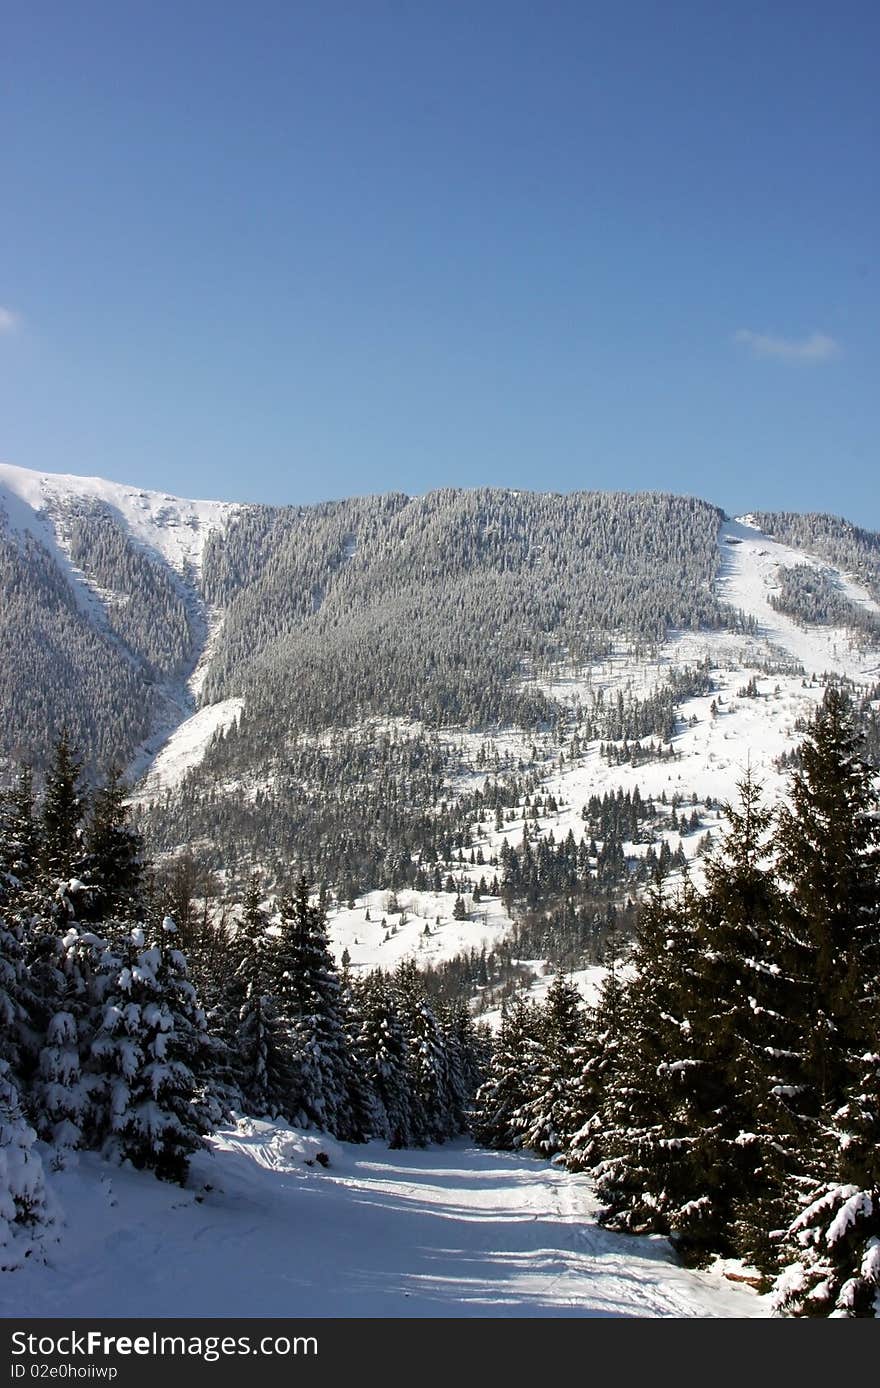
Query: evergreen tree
point(309, 998)
point(461, 1044)
point(829, 854)
point(506, 1086)
point(655, 1103)
point(428, 1076)
point(833, 1246)
point(114, 855)
point(18, 833)
point(63, 808)
point(595, 1066)
point(263, 1063)
point(742, 1030)
point(382, 1046)
point(545, 1121)
point(26, 1210)
point(151, 1050)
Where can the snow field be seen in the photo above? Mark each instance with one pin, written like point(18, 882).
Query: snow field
point(262, 1229)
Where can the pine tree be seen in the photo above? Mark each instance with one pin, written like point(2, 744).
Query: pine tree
point(654, 1104)
point(16, 1002)
point(462, 1047)
point(509, 1073)
point(310, 1006)
point(63, 808)
point(382, 1046)
point(743, 1032)
point(151, 1049)
point(18, 834)
point(834, 1243)
point(595, 1067)
point(263, 1064)
point(114, 855)
point(829, 853)
point(428, 1075)
point(27, 1212)
point(546, 1120)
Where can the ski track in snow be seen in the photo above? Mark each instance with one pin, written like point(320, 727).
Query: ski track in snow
point(747, 580)
point(449, 1231)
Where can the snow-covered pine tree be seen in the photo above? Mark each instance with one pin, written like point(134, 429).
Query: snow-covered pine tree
point(263, 1064)
point(19, 846)
point(382, 1045)
point(114, 856)
point(742, 1029)
point(61, 847)
point(60, 1098)
point(463, 1050)
point(506, 1086)
point(594, 1066)
point(368, 1118)
point(830, 855)
point(308, 991)
point(428, 1063)
point(834, 1243)
point(152, 1050)
point(546, 1120)
point(66, 957)
point(654, 1105)
point(27, 1211)
point(16, 1003)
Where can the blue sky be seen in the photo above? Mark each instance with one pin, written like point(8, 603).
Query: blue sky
point(286, 251)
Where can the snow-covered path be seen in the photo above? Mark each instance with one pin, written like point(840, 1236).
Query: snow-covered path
point(749, 575)
point(452, 1231)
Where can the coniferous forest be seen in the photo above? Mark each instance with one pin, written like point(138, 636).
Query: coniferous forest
point(723, 1091)
point(125, 1033)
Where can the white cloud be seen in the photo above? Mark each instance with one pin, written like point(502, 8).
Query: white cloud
point(9, 321)
point(816, 347)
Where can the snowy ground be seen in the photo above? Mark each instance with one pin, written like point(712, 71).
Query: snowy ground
point(451, 1231)
point(388, 937)
point(187, 746)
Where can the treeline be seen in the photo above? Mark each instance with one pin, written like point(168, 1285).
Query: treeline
point(725, 1091)
point(125, 1033)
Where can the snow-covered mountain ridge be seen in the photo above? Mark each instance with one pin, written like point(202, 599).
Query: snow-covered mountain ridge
point(174, 528)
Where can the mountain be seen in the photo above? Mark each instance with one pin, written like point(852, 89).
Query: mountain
point(376, 688)
point(102, 619)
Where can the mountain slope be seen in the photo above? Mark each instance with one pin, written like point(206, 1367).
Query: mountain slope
point(102, 620)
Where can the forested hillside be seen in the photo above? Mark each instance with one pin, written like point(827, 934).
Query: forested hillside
point(438, 608)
